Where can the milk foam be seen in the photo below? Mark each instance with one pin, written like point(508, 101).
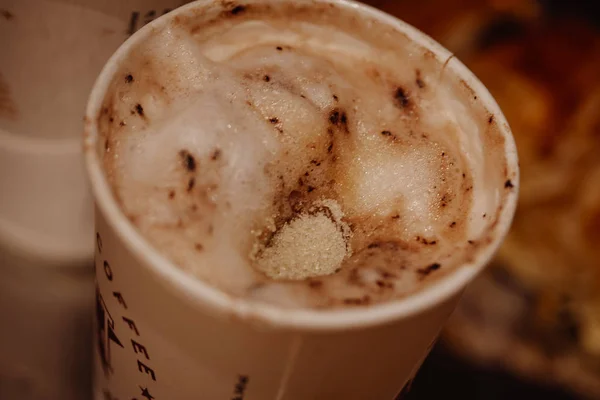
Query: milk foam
point(258, 152)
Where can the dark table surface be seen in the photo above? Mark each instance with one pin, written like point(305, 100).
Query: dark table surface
point(445, 375)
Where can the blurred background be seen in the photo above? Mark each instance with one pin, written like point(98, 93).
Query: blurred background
point(529, 327)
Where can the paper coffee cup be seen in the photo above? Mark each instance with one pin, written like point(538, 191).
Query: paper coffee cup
point(161, 334)
point(52, 51)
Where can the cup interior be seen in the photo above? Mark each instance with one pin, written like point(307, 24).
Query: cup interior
point(485, 136)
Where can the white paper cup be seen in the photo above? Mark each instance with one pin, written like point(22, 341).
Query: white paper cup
point(51, 52)
point(162, 334)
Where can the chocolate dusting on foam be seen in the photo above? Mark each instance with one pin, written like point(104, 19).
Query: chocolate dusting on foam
point(358, 301)
point(335, 115)
point(234, 10)
point(295, 199)
point(401, 98)
point(384, 284)
point(190, 185)
point(216, 155)
point(338, 120)
point(189, 162)
point(354, 278)
point(419, 80)
point(429, 269)
point(315, 284)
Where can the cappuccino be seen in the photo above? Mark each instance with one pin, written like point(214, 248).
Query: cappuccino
point(297, 155)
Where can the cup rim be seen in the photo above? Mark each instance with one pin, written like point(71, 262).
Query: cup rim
point(214, 300)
